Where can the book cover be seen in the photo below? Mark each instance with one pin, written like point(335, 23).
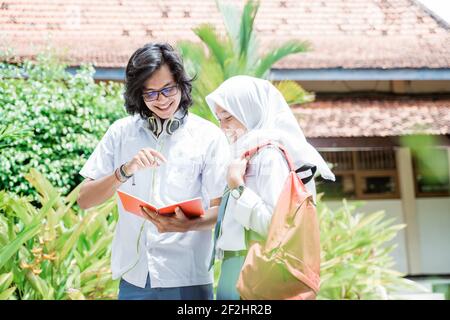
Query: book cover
point(132, 204)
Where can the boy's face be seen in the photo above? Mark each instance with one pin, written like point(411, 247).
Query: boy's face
point(166, 103)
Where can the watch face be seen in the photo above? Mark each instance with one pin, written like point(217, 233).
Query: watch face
point(235, 193)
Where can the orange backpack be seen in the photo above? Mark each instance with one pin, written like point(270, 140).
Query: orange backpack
point(287, 264)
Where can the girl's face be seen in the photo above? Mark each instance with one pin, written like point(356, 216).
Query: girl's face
point(161, 93)
point(232, 127)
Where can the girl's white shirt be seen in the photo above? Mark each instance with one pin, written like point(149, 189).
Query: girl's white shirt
point(264, 181)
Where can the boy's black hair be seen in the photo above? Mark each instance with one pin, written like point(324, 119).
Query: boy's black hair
point(142, 64)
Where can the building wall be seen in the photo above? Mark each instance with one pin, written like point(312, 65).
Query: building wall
point(433, 216)
point(393, 209)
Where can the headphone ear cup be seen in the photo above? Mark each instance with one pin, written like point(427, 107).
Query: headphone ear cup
point(158, 126)
point(151, 123)
point(154, 124)
point(172, 125)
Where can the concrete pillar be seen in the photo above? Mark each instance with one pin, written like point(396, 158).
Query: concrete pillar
point(448, 158)
point(407, 195)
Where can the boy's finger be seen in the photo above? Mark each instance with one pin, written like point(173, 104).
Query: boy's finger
point(158, 155)
point(179, 213)
point(149, 213)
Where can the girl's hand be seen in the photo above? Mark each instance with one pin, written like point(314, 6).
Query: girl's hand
point(236, 172)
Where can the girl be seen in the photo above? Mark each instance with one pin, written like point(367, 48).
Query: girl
point(252, 111)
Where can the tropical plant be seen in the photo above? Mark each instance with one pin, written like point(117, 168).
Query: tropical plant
point(235, 54)
point(64, 114)
point(356, 260)
point(52, 251)
point(9, 135)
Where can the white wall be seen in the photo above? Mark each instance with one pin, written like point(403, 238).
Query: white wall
point(433, 216)
point(393, 209)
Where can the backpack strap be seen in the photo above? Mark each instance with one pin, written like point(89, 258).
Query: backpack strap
point(250, 153)
point(306, 168)
point(250, 235)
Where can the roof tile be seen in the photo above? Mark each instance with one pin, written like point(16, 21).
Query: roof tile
point(344, 33)
point(374, 116)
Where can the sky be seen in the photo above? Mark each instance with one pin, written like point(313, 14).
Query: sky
point(439, 7)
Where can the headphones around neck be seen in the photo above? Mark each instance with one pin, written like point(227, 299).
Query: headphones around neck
point(157, 125)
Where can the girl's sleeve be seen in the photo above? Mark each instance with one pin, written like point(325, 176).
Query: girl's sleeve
point(253, 210)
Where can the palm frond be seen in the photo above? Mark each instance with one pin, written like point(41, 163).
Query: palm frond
point(246, 36)
point(279, 53)
point(230, 15)
point(207, 81)
point(219, 48)
point(193, 56)
point(293, 93)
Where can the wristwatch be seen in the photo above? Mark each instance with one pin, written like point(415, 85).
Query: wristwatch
point(121, 175)
point(122, 171)
point(237, 192)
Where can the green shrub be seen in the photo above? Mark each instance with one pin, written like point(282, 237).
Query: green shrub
point(356, 260)
point(66, 115)
point(53, 252)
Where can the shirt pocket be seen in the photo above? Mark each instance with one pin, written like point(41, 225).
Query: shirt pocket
point(183, 179)
point(129, 147)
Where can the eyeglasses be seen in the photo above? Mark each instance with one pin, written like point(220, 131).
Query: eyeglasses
point(154, 95)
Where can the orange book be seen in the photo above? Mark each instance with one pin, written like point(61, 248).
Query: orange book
point(132, 204)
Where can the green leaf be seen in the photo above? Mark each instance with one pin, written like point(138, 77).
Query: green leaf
point(5, 280)
point(220, 50)
point(40, 286)
point(75, 294)
point(193, 56)
point(246, 38)
point(7, 294)
point(18, 206)
point(69, 244)
point(100, 245)
point(11, 249)
point(279, 53)
point(231, 16)
point(355, 253)
point(370, 219)
point(293, 93)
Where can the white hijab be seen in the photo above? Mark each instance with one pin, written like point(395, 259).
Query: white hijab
point(262, 109)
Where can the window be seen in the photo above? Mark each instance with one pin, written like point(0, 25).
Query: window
point(361, 174)
point(431, 172)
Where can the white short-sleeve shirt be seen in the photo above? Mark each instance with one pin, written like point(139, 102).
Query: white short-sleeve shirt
point(265, 178)
point(197, 156)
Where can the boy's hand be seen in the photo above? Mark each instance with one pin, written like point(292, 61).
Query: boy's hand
point(176, 223)
point(145, 158)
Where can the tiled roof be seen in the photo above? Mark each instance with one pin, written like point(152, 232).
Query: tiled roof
point(343, 33)
point(374, 116)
